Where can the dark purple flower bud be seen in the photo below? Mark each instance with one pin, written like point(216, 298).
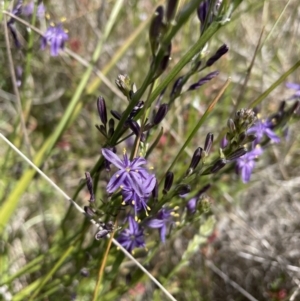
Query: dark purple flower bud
point(84, 272)
point(220, 52)
point(155, 191)
point(241, 139)
point(195, 160)
point(176, 87)
point(89, 211)
point(202, 11)
point(160, 97)
point(89, 184)
point(203, 80)
point(134, 126)
point(164, 62)
point(13, 31)
point(208, 143)
point(161, 113)
point(218, 165)
point(237, 154)
point(156, 28)
point(101, 234)
point(168, 182)
point(231, 126)
point(224, 142)
point(183, 189)
point(136, 109)
point(101, 129)
point(116, 114)
point(102, 110)
point(111, 127)
point(171, 9)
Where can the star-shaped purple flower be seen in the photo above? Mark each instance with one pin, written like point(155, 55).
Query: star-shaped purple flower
point(130, 173)
point(56, 37)
point(133, 237)
point(139, 202)
point(246, 163)
point(261, 128)
point(163, 219)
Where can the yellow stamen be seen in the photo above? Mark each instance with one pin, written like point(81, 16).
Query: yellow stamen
point(52, 24)
point(63, 19)
point(133, 202)
point(176, 207)
point(124, 150)
point(47, 16)
point(123, 203)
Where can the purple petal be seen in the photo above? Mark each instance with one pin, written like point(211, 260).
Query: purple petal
point(163, 231)
point(136, 162)
point(112, 158)
point(293, 86)
point(272, 136)
point(116, 181)
point(155, 223)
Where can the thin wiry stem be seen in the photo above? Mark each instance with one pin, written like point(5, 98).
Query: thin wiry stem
point(16, 90)
point(115, 242)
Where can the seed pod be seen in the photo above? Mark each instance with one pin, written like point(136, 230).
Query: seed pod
point(102, 110)
point(168, 182)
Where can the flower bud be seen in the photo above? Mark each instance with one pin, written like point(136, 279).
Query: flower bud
point(183, 189)
point(136, 109)
point(176, 87)
point(124, 84)
point(218, 165)
point(102, 110)
point(161, 113)
point(155, 191)
point(231, 126)
point(135, 127)
point(196, 158)
point(220, 52)
point(116, 114)
point(208, 143)
point(171, 9)
point(168, 182)
point(203, 80)
point(237, 154)
point(111, 126)
point(156, 28)
point(89, 211)
point(224, 142)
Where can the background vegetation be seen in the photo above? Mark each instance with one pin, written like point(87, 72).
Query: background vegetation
point(245, 248)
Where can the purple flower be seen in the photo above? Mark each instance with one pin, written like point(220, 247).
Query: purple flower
point(56, 37)
point(133, 237)
point(261, 128)
point(130, 173)
point(163, 219)
point(295, 87)
point(27, 10)
point(139, 202)
point(246, 163)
